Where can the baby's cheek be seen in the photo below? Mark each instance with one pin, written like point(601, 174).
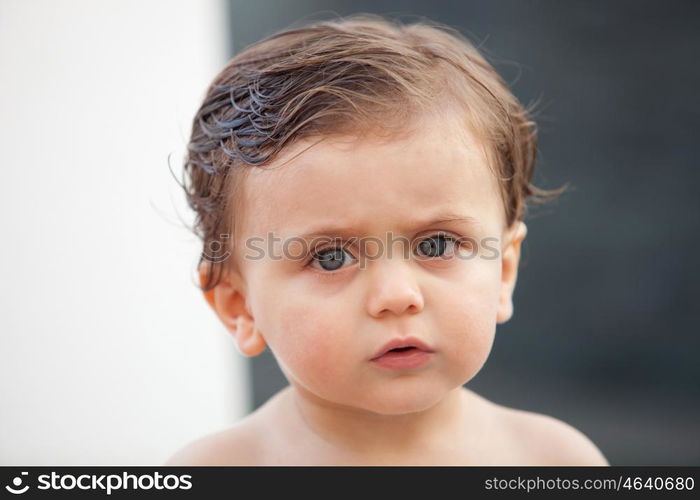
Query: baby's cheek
point(310, 345)
point(468, 326)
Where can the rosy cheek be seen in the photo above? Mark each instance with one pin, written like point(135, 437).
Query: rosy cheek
point(468, 316)
point(309, 344)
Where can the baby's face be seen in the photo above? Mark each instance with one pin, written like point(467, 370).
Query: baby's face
point(325, 318)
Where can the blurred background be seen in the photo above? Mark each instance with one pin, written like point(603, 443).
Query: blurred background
point(108, 352)
point(110, 355)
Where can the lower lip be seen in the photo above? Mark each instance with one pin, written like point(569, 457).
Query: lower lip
point(403, 359)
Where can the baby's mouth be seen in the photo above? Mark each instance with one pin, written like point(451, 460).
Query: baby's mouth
point(402, 347)
point(400, 351)
point(404, 357)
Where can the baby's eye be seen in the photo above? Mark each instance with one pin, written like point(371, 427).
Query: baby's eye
point(331, 258)
point(436, 245)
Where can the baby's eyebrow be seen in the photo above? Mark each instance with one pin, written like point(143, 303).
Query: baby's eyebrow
point(350, 231)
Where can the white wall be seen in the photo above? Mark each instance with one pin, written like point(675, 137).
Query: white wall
point(108, 352)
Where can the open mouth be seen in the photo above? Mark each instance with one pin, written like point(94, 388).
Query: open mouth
point(400, 358)
point(401, 351)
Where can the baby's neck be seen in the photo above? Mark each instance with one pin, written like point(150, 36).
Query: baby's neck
point(339, 433)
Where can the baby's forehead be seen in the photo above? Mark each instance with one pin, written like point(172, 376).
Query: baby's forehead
point(433, 139)
point(373, 180)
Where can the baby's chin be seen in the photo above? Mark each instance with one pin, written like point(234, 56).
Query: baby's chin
point(396, 400)
point(402, 406)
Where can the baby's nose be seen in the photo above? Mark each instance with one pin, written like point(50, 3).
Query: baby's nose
point(393, 287)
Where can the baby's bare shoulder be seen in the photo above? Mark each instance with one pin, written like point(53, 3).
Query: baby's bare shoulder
point(547, 440)
point(237, 445)
point(251, 441)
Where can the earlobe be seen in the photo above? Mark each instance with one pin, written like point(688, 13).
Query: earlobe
point(228, 301)
point(249, 340)
point(509, 270)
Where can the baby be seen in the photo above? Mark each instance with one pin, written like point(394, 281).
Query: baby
point(360, 190)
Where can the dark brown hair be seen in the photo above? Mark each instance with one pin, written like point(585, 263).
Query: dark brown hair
point(334, 76)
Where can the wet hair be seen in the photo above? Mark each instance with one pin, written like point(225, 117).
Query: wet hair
point(338, 76)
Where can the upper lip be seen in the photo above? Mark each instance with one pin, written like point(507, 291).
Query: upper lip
point(402, 342)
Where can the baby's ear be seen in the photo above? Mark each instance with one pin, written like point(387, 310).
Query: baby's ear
point(509, 269)
point(228, 300)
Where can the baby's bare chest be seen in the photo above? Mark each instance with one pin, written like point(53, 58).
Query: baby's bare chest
point(492, 447)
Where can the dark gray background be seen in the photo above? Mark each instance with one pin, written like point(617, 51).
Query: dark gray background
point(603, 335)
